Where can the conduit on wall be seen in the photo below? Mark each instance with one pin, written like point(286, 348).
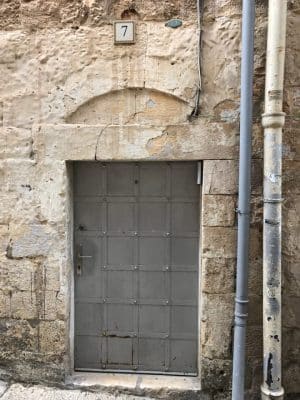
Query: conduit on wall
point(243, 211)
point(273, 122)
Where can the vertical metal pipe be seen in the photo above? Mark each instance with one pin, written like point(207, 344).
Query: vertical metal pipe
point(241, 300)
point(273, 122)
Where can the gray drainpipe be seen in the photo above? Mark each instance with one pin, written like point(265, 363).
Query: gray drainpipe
point(241, 299)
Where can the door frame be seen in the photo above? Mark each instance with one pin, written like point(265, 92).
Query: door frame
point(71, 344)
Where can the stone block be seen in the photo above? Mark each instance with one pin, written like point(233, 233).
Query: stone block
point(4, 304)
point(216, 374)
point(26, 291)
point(54, 306)
point(52, 271)
point(166, 49)
point(16, 336)
point(16, 274)
point(216, 333)
point(37, 371)
point(290, 312)
point(255, 276)
point(257, 176)
point(291, 226)
point(30, 241)
point(291, 136)
point(15, 143)
point(18, 179)
point(132, 142)
point(292, 72)
point(52, 337)
point(23, 305)
point(255, 244)
point(8, 203)
point(52, 189)
point(217, 308)
point(218, 210)
point(254, 341)
point(17, 175)
point(220, 74)
point(67, 55)
point(290, 378)
point(290, 343)
point(254, 374)
point(21, 111)
point(219, 242)
point(257, 140)
point(291, 276)
point(256, 211)
point(18, 63)
point(290, 177)
point(255, 310)
point(291, 240)
point(4, 237)
point(216, 326)
point(220, 177)
point(218, 275)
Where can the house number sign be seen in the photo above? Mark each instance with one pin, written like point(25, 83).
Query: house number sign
point(124, 32)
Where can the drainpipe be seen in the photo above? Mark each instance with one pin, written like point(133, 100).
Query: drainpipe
point(273, 122)
point(241, 299)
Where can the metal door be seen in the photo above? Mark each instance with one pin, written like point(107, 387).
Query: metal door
point(136, 266)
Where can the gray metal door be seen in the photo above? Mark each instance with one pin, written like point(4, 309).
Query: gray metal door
point(136, 266)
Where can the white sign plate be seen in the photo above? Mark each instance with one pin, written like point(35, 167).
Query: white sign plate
point(124, 32)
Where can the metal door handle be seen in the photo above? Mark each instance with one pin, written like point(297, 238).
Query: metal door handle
point(79, 258)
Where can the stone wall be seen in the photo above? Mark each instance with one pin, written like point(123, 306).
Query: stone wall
point(68, 93)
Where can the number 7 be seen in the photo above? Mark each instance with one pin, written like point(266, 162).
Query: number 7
point(125, 29)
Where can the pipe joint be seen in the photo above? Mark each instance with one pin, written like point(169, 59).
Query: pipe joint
point(241, 311)
point(241, 301)
point(273, 201)
point(273, 120)
point(268, 394)
point(241, 315)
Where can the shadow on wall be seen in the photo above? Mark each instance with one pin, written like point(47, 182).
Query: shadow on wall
point(131, 106)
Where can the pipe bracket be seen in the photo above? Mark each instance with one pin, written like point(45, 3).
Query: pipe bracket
point(238, 211)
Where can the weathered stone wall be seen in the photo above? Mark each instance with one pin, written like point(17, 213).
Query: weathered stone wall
point(68, 93)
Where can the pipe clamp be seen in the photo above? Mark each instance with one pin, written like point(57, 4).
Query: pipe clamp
point(273, 120)
point(273, 200)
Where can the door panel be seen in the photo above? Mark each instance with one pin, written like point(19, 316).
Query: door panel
point(136, 266)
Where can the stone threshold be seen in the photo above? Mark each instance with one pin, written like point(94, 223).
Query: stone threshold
point(138, 384)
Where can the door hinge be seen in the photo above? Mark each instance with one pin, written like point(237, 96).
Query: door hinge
point(199, 173)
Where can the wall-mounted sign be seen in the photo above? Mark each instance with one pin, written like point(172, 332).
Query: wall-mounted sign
point(124, 32)
point(174, 23)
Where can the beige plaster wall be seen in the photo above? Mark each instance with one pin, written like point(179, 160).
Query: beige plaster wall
point(67, 93)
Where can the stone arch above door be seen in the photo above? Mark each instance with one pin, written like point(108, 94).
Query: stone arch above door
point(131, 106)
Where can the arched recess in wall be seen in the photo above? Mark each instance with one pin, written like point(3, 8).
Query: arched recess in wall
point(131, 106)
